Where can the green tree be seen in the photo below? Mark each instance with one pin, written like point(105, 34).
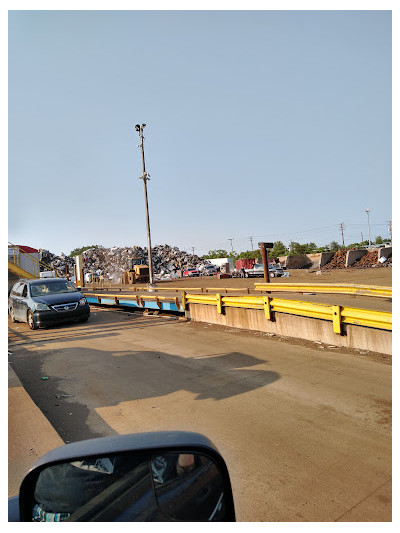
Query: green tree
point(216, 254)
point(78, 251)
point(334, 246)
point(378, 240)
point(308, 248)
point(321, 249)
point(279, 249)
point(249, 254)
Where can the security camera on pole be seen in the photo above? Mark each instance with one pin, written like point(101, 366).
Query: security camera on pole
point(145, 176)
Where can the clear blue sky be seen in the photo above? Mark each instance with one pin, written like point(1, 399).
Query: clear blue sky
point(270, 124)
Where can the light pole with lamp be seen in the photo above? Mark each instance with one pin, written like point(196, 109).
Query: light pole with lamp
point(145, 176)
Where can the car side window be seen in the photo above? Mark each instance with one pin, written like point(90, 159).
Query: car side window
point(17, 289)
point(24, 291)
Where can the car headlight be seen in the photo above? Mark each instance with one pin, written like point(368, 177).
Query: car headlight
point(42, 307)
point(82, 301)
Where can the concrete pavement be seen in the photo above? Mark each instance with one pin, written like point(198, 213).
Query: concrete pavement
point(305, 431)
point(30, 434)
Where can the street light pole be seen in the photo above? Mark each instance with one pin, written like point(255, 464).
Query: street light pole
point(145, 176)
point(369, 233)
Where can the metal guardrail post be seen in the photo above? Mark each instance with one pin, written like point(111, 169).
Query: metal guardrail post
point(267, 308)
point(218, 297)
point(183, 301)
point(337, 319)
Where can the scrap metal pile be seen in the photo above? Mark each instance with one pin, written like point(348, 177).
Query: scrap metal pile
point(63, 264)
point(110, 263)
point(337, 261)
point(370, 259)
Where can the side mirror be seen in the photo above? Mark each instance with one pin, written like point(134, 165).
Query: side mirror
point(163, 476)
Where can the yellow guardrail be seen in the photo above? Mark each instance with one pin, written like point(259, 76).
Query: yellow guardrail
point(328, 288)
point(35, 262)
point(335, 288)
point(335, 313)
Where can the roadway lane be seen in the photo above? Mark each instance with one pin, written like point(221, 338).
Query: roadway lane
point(305, 431)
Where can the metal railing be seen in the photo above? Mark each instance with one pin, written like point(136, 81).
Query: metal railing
point(327, 288)
point(337, 314)
point(33, 264)
point(301, 288)
point(140, 299)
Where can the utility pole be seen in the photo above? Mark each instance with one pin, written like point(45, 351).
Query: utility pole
point(192, 250)
point(145, 177)
point(362, 237)
point(390, 231)
point(264, 255)
point(368, 210)
point(342, 227)
point(231, 244)
point(251, 240)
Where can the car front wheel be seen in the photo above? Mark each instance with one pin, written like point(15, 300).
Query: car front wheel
point(31, 320)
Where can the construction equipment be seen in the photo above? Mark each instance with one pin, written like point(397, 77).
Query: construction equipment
point(138, 272)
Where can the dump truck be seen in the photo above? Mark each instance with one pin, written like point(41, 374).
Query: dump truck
point(137, 273)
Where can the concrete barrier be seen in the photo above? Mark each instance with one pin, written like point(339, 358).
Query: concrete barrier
point(315, 260)
point(325, 258)
point(385, 252)
point(355, 337)
point(353, 255)
point(298, 261)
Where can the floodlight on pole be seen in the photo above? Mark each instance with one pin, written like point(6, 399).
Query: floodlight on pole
point(145, 177)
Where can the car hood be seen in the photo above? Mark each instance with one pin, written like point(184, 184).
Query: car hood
point(54, 299)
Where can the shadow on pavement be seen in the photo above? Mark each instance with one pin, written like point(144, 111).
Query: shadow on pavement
point(86, 379)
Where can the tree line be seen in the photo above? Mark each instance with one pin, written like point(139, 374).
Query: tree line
point(294, 248)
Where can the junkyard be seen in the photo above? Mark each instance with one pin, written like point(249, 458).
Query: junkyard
point(200, 262)
point(318, 415)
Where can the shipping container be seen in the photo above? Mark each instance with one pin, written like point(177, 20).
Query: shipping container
point(244, 263)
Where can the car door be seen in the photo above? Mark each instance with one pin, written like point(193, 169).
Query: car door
point(23, 303)
point(15, 296)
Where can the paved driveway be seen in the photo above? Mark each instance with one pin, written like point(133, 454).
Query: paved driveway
point(306, 432)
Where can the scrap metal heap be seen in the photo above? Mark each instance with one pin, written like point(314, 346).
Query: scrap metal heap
point(111, 263)
point(337, 261)
point(369, 260)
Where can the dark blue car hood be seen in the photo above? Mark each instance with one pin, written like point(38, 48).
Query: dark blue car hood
point(54, 299)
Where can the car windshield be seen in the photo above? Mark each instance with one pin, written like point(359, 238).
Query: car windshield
point(59, 287)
